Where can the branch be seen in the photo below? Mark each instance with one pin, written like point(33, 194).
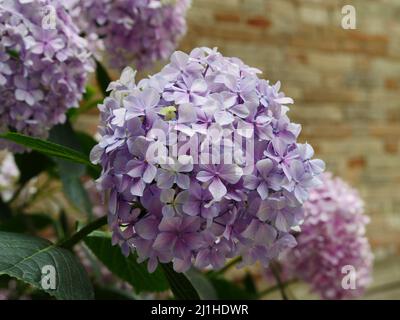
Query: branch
point(275, 271)
point(229, 265)
point(82, 233)
point(276, 287)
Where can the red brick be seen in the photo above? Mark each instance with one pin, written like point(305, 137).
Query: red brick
point(227, 17)
point(356, 162)
point(391, 84)
point(328, 131)
point(390, 131)
point(259, 22)
point(391, 147)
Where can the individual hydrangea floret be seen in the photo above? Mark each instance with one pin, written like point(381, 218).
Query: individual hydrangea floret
point(43, 66)
point(201, 164)
point(332, 242)
point(131, 31)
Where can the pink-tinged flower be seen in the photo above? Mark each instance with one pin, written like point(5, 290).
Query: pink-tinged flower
point(332, 239)
point(176, 143)
point(43, 72)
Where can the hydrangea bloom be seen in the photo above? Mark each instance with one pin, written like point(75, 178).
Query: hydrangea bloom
point(132, 31)
point(333, 236)
point(9, 175)
point(200, 163)
point(43, 70)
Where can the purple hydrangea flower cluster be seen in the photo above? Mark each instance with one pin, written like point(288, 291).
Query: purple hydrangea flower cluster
point(332, 237)
point(238, 181)
point(138, 32)
point(43, 66)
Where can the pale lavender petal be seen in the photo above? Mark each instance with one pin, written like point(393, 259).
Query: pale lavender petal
point(263, 190)
point(217, 189)
point(138, 187)
point(147, 228)
point(181, 265)
point(204, 176)
point(149, 173)
point(168, 210)
point(165, 179)
point(183, 181)
point(167, 195)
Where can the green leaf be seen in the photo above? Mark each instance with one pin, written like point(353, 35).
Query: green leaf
point(90, 92)
point(13, 54)
point(102, 77)
point(105, 293)
point(4, 280)
point(76, 193)
point(23, 257)
point(181, 287)
point(65, 135)
point(126, 268)
point(87, 143)
point(70, 173)
point(202, 284)
point(227, 290)
point(31, 164)
point(5, 210)
point(47, 147)
point(23, 223)
point(74, 113)
point(249, 284)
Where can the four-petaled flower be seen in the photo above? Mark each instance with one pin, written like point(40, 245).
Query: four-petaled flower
point(216, 174)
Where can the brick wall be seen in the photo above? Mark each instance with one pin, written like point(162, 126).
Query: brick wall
point(346, 83)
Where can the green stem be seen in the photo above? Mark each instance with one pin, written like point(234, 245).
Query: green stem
point(383, 288)
point(86, 107)
point(229, 265)
point(82, 233)
point(276, 287)
point(275, 271)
